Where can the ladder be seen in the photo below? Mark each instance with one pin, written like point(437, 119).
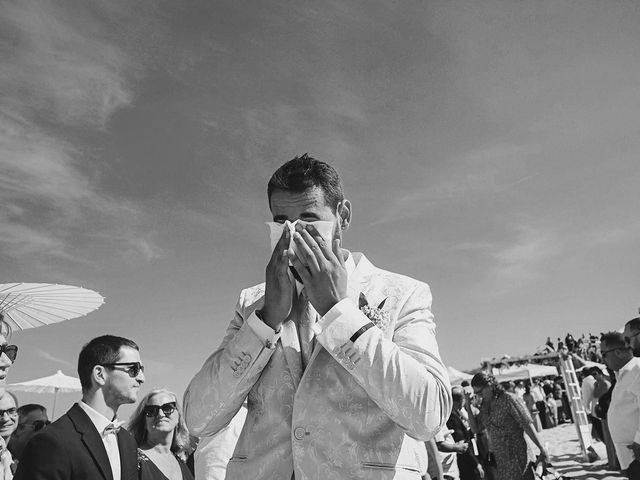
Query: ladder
point(580, 418)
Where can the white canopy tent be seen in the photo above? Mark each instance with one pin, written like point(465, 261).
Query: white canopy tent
point(456, 377)
point(58, 382)
point(524, 372)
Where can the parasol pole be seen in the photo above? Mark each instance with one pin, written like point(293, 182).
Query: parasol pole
point(55, 396)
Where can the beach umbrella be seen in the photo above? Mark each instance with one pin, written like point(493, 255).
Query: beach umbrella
point(29, 305)
point(58, 382)
point(456, 377)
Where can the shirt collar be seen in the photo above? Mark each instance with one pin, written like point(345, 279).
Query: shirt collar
point(628, 366)
point(98, 419)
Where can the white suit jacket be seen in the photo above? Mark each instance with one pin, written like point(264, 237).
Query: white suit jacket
point(360, 410)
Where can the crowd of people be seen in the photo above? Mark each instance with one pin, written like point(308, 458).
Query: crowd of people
point(586, 347)
point(329, 369)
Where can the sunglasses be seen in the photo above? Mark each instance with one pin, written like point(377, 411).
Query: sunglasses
point(132, 368)
point(10, 351)
point(153, 410)
point(12, 412)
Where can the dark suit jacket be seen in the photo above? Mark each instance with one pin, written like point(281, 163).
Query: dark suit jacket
point(71, 449)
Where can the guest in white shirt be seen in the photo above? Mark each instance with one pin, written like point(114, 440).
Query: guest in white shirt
point(87, 442)
point(624, 411)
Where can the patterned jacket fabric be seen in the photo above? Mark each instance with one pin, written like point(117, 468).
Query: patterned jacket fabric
point(360, 410)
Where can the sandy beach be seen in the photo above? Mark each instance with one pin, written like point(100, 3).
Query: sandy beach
point(564, 448)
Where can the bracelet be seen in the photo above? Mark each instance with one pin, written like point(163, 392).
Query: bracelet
point(360, 331)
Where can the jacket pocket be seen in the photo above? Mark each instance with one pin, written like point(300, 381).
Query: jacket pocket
point(238, 458)
point(390, 466)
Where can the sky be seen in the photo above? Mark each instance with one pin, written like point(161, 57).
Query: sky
point(490, 149)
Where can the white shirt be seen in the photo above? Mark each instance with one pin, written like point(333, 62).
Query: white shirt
point(448, 460)
point(265, 333)
point(213, 452)
point(110, 441)
point(588, 386)
point(624, 411)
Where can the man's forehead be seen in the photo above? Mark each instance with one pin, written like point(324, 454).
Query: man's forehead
point(7, 401)
point(128, 354)
point(311, 197)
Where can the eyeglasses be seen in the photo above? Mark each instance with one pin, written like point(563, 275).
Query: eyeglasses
point(153, 410)
point(12, 412)
point(10, 351)
point(132, 368)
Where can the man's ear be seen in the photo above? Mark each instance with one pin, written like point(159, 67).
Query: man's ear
point(99, 375)
point(344, 213)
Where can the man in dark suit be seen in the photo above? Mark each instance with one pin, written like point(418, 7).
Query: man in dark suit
point(87, 443)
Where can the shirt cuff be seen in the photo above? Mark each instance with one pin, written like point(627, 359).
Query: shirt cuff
point(636, 438)
point(264, 332)
point(336, 311)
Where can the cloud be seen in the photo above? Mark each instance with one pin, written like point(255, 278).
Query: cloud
point(58, 66)
point(61, 78)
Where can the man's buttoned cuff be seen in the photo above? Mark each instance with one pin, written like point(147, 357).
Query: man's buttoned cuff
point(264, 332)
point(636, 438)
point(342, 321)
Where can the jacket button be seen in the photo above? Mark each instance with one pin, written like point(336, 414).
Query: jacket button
point(299, 433)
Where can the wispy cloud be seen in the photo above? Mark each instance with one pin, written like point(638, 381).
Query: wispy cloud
point(60, 76)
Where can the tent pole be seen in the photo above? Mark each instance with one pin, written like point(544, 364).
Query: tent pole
point(55, 396)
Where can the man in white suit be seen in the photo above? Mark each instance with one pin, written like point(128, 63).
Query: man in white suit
point(337, 358)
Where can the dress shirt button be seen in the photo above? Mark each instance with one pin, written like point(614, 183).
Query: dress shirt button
point(237, 373)
point(247, 357)
point(299, 433)
point(337, 351)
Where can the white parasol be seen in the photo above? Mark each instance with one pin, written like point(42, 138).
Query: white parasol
point(29, 305)
point(58, 382)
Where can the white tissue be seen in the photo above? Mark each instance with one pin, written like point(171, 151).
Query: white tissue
point(324, 228)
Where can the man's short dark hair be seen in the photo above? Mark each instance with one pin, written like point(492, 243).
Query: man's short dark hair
point(634, 324)
point(31, 407)
point(304, 172)
point(613, 339)
point(100, 350)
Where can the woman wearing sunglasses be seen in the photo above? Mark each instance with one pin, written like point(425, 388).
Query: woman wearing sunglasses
point(163, 439)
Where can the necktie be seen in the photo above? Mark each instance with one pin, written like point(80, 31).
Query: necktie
point(305, 318)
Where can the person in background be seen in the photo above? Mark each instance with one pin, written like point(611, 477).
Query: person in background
point(87, 442)
point(588, 400)
point(448, 450)
point(624, 410)
point(8, 424)
point(507, 421)
point(468, 463)
point(214, 451)
point(632, 335)
point(551, 407)
point(31, 419)
point(8, 353)
point(600, 410)
point(162, 437)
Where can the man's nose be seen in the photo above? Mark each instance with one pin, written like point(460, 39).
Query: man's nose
point(140, 378)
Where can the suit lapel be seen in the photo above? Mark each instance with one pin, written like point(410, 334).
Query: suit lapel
point(128, 455)
point(91, 439)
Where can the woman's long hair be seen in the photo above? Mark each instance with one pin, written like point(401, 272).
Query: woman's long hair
point(483, 379)
point(181, 444)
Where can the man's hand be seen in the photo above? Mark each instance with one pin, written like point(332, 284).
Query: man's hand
point(278, 290)
point(462, 446)
point(320, 267)
point(636, 450)
point(480, 470)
